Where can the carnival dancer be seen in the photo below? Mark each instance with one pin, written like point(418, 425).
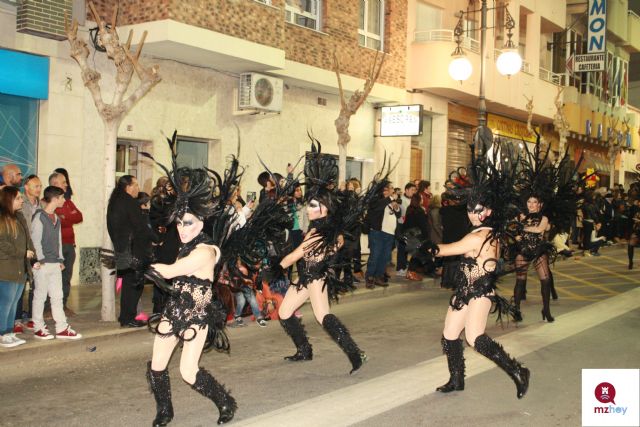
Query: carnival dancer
point(333, 215)
point(491, 202)
point(549, 192)
point(193, 315)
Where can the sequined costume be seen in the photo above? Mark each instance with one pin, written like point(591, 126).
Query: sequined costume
point(533, 245)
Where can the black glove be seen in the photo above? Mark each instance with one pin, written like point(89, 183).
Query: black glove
point(430, 248)
point(152, 275)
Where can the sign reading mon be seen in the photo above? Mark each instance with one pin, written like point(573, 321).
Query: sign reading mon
point(597, 26)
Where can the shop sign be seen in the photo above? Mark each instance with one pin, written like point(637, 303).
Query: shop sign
point(590, 62)
point(597, 27)
point(503, 126)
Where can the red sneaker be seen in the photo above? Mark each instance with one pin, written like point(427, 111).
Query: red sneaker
point(18, 328)
point(30, 325)
point(43, 334)
point(68, 334)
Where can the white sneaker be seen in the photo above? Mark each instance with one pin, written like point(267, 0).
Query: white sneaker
point(401, 273)
point(7, 341)
point(20, 341)
point(262, 323)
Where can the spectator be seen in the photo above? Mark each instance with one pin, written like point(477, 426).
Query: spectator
point(589, 217)
point(16, 249)
point(142, 247)
point(69, 216)
point(11, 175)
point(401, 257)
point(424, 190)
point(455, 225)
point(560, 243)
point(169, 242)
point(596, 242)
point(435, 223)
point(124, 219)
point(417, 223)
point(383, 213)
point(353, 184)
point(32, 191)
point(68, 192)
point(31, 202)
point(300, 223)
point(47, 240)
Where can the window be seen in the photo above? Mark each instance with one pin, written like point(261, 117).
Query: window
point(371, 25)
point(264, 2)
point(193, 152)
point(303, 12)
point(19, 132)
point(428, 17)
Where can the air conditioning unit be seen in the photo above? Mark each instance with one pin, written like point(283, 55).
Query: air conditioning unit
point(260, 92)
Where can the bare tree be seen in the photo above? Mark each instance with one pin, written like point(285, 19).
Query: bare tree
point(349, 108)
point(560, 123)
point(112, 114)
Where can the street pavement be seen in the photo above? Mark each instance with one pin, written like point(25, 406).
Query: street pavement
point(100, 381)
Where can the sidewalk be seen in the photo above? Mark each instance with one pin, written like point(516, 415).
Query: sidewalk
point(86, 302)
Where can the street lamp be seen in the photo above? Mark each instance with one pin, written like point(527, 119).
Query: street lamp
point(509, 63)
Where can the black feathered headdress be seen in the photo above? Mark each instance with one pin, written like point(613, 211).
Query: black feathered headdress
point(191, 188)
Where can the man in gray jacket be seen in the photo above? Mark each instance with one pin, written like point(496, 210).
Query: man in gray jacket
point(45, 233)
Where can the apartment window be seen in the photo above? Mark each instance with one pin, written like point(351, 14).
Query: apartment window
point(193, 152)
point(428, 17)
point(304, 12)
point(371, 25)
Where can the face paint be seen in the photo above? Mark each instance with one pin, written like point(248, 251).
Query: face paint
point(316, 210)
point(189, 227)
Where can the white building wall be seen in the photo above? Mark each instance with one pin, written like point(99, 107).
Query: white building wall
point(198, 102)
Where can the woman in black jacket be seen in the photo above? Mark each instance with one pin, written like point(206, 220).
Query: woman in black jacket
point(416, 222)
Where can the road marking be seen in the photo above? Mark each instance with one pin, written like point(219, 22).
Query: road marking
point(606, 270)
point(614, 260)
point(588, 283)
point(359, 402)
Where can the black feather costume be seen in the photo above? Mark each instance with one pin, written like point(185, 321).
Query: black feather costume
point(194, 303)
point(488, 182)
point(345, 212)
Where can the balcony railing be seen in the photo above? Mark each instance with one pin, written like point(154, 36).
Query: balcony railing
point(468, 43)
point(551, 77)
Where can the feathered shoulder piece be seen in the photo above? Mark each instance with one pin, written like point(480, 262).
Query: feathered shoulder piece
point(489, 182)
point(537, 175)
point(320, 175)
point(191, 187)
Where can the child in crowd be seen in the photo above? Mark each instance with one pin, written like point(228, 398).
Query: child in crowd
point(596, 242)
point(47, 240)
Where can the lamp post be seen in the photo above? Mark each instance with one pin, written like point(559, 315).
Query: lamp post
point(509, 62)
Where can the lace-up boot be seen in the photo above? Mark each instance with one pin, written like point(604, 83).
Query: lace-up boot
point(160, 386)
point(341, 336)
point(294, 328)
point(494, 352)
point(455, 359)
point(207, 386)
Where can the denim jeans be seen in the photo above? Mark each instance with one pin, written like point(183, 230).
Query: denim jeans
point(247, 295)
point(380, 247)
point(9, 294)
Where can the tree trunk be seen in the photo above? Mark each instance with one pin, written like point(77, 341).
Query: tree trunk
point(342, 163)
point(108, 279)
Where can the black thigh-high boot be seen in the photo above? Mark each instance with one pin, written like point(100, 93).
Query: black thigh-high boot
point(519, 292)
point(455, 359)
point(294, 328)
point(161, 388)
point(494, 352)
point(341, 336)
point(545, 290)
point(207, 386)
point(630, 255)
point(554, 294)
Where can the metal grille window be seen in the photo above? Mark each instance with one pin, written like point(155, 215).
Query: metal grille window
point(458, 151)
point(304, 12)
point(371, 24)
